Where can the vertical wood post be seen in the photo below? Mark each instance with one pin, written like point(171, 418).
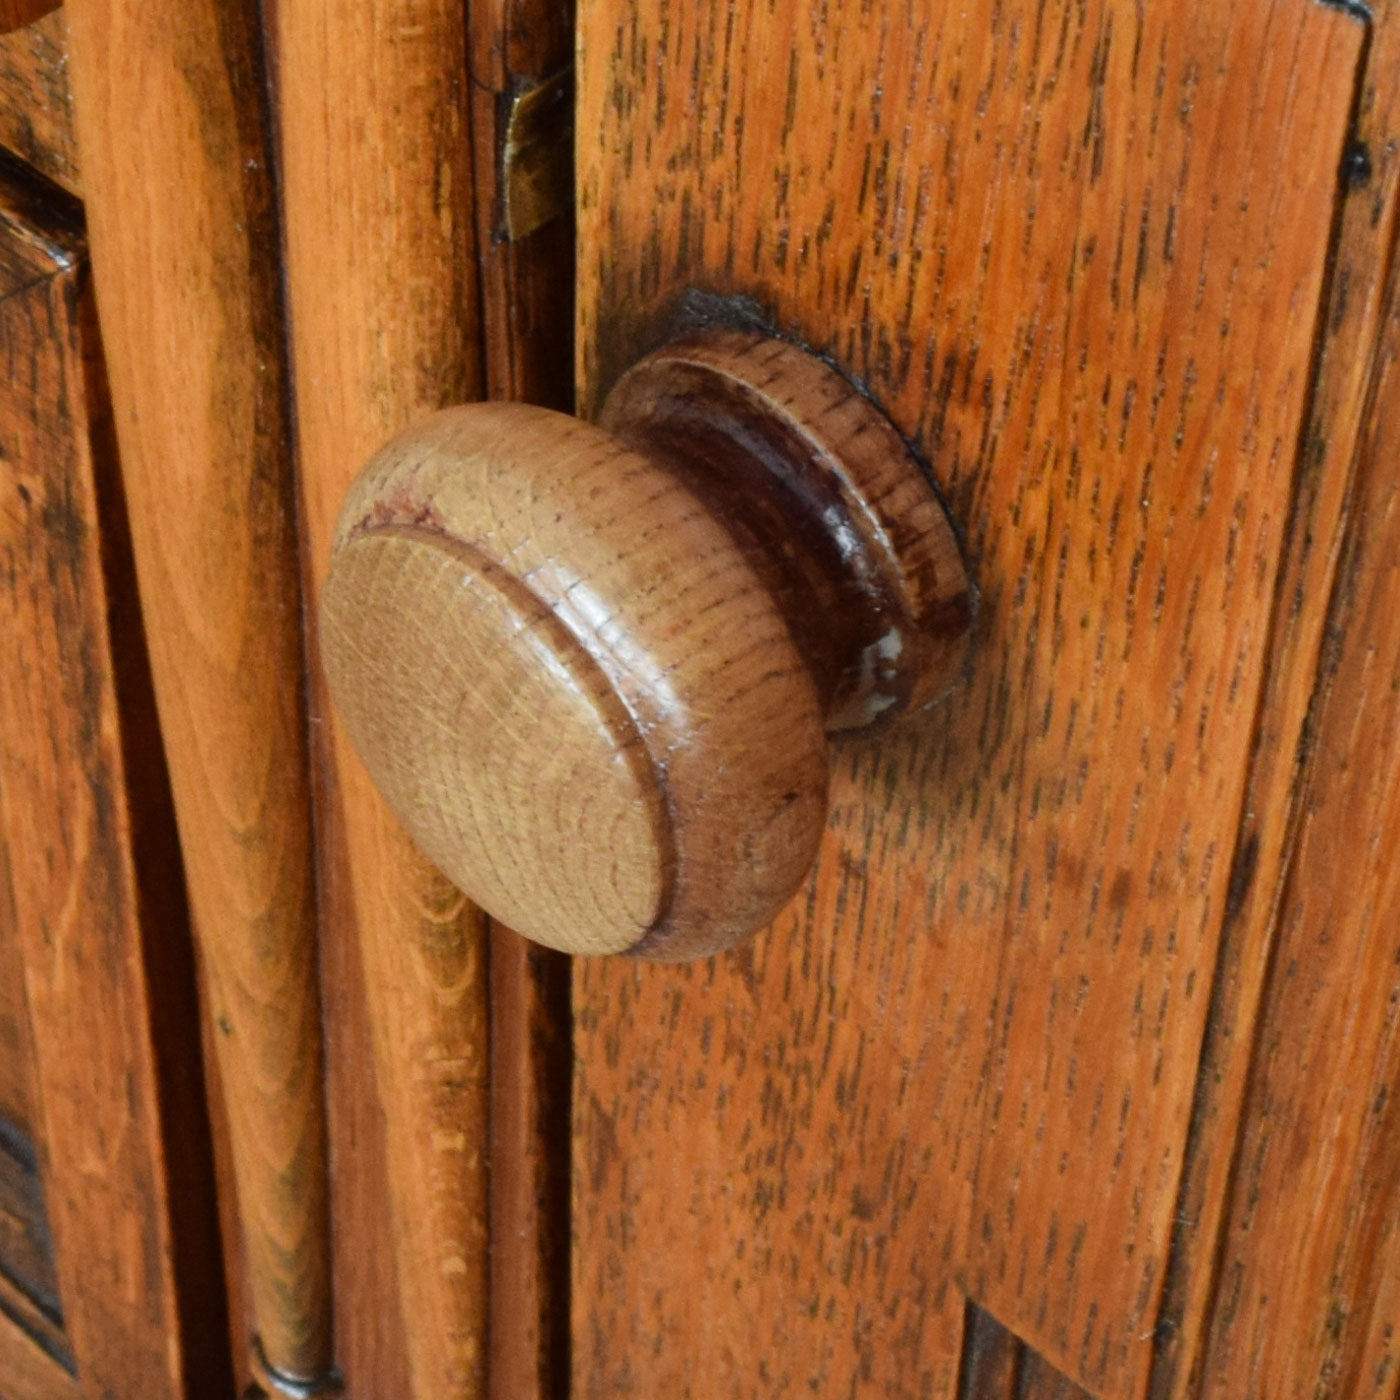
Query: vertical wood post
point(169, 102)
point(382, 287)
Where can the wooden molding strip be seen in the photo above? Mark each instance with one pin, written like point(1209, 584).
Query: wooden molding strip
point(383, 301)
point(169, 98)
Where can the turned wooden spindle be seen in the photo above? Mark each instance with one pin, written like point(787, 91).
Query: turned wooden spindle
point(593, 669)
point(193, 344)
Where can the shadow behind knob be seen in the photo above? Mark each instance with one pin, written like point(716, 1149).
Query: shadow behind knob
point(592, 672)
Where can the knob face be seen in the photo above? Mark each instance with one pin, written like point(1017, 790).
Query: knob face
point(496, 737)
point(592, 672)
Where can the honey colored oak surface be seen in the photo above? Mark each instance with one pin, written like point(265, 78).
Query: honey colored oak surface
point(1307, 1295)
point(91, 878)
point(179, 201)
point(1079, 254)
point(1324, 508)
point(36, 106)
point(382, 288)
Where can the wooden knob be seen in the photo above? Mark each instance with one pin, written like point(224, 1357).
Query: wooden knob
point(593, 669)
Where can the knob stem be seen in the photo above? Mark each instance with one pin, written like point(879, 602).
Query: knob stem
point(827, 503)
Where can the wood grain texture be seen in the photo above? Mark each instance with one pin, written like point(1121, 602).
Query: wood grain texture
point(1323, 505)
point(94, 870)
point(406, 623)
point(828, 505)
point(16, 1043)
point(28, 1283)
point(1079, 260)
point(1307, 1294)
point(997, 1365)
point(16, 13)
point(382, 288)
point(28, 1279)
point(30, 1372)
point(40, 1326)
point(36, 104)
point(180, 204)
point(531, 1066)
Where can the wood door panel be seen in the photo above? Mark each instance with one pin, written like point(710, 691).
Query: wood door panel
point(1078, 253)
point(1323, 510)
point(94, 873)
point(1307, 1296)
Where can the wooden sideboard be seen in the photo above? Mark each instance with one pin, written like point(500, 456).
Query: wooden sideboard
point(1069, 1072)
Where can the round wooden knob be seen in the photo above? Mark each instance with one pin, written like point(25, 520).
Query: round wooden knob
point(593, 669)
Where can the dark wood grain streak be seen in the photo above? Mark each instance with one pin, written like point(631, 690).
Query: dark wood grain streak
point(530, 1082)
point(27, 1275)
point(1077, 253)
point(94, 866)
point(30, 1372)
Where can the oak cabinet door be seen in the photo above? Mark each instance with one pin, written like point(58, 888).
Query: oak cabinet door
point(1070, 1069)
point(1073, 1061)
point(110, 1282)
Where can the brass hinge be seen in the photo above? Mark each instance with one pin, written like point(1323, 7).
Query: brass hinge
point(537, 155)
